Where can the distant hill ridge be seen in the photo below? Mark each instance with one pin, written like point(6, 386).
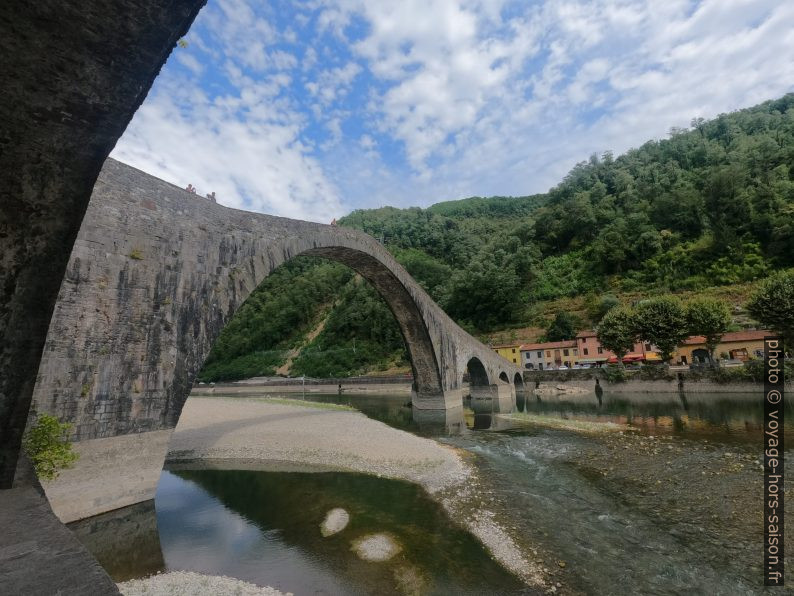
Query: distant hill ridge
point(709, 208)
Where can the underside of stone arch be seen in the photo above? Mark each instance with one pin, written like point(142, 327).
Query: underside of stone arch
point(427, 379)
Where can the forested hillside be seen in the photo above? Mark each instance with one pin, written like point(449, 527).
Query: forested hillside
point(710, 206)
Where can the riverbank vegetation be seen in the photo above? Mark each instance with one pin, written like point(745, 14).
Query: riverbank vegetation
point(664, 322)
point(708, 211)
point(47, 445)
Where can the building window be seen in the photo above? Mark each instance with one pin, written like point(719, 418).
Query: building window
point(647, 347)
point(565, 352)
point(514, 360)
point(584, 351)
point(575, 352)
point(540, 366)
point(540, 353)
point(600, 350)
point(548, 353)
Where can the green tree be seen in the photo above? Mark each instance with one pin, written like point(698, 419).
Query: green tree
point(662, 321)
point(617, 331)
point(564, 326)
point(598, 307)
point(48, 447)
point(710, 318)
point(431, 273)
point(772, 304)
point(485, 293)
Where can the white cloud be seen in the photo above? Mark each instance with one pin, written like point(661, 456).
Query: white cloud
point(244, 147)
point(334, 83)
point(191, 62)
point(460, 97)
point(486, 105)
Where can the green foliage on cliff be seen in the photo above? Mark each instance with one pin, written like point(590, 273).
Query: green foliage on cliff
point(274, 319)
point(564, 326)
point(709, 206)
point(359, 334)
point(47, 445)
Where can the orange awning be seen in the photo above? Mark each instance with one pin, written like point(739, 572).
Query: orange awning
point(627, 358)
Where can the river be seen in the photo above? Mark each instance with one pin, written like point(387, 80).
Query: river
point(669, 505)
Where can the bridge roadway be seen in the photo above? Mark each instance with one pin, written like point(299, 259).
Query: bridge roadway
point(155, 274)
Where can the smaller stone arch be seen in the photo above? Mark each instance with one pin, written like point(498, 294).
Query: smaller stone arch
point(503, 377)
point(518, 381)
point(478, 376)
point(520, 388)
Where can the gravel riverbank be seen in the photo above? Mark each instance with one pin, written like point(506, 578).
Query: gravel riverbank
point(260, 434)
point(275, 434)
point(187, 583)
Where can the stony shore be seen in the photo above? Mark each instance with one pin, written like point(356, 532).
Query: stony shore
point(252, 389)
point(266, 434)
point(276, 434)
point(188, 583)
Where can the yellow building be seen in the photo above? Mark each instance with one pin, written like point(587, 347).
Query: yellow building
point(737, 345)
point(510, 352)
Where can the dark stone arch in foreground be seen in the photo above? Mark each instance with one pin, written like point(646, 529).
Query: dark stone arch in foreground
point(73, 75)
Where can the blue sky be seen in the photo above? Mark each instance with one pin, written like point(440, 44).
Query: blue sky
point(313, 108)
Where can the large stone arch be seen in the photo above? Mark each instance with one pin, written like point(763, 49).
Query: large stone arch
point(427, 377)
point(155, 275)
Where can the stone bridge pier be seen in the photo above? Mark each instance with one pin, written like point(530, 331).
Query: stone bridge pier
point(154, 276)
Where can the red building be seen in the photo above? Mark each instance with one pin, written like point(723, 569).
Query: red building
point(592, 352)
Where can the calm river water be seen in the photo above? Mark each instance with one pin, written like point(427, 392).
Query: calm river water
point(672, 508)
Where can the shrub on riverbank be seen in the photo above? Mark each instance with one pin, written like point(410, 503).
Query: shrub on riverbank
point(48, 447)
point(751, 372)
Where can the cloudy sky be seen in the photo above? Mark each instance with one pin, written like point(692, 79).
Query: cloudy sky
point(312, 108)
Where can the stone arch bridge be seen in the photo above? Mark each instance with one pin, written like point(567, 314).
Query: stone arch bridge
point(155, 274)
